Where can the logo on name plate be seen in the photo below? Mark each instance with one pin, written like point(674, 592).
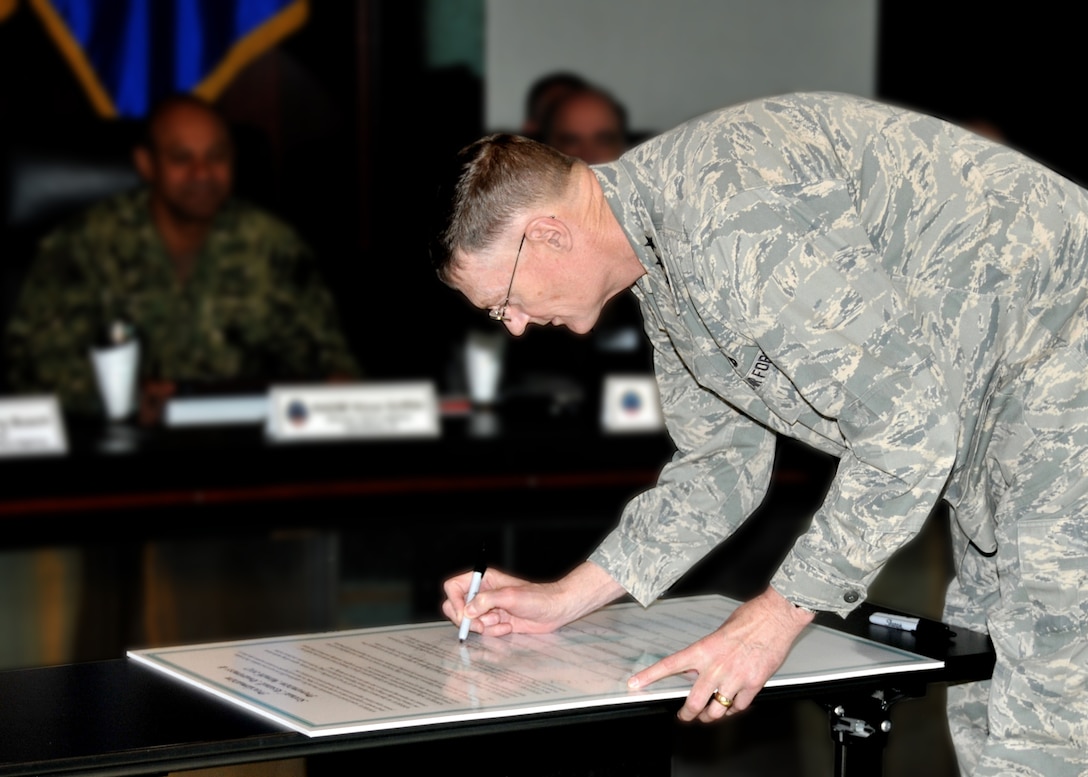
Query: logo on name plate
point(297, 413)
point(631, 402)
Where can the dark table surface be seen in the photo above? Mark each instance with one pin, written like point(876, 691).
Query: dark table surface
point(124, 467)
point(116, 717)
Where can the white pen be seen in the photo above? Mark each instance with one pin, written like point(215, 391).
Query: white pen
point(473, 589)
point(901, 622)
point(907, 623)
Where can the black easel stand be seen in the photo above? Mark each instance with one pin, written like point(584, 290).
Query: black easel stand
point(860, 726)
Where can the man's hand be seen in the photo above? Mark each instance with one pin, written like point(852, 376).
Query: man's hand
point(736, 660)
point(507, 604)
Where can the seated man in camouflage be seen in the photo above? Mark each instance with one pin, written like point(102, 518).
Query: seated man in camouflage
point(217, 290)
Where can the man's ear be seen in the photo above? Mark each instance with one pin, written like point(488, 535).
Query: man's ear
point(551, 231)
point(141, 157)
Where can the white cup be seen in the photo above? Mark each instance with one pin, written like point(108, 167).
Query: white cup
point(483, 365)
point(116, 368)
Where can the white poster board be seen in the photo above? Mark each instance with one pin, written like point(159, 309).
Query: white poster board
point(418, 675)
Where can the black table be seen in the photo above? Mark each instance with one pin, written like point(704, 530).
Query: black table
point(119, 718)
point(540, 490)
point(127, 468)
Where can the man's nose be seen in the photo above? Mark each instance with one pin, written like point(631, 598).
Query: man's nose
point(201, 168)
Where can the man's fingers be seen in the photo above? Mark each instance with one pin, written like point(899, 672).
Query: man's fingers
point(666, 667)
point(450, 611)
point(744, 699)
point(496, 599)
point(717, 707)
point(483, 602)
point(455, 589)
point(700, 700)
point(499, 630)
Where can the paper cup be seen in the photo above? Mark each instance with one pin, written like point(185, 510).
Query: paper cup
point(115, 369)
point(483, 365)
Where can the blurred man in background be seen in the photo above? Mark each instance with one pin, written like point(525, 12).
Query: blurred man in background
point(216, 290)
point(587, 123)
point(543, 94)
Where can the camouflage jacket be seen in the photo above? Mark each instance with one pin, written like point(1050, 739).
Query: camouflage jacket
point(868, 280)
point(254, 308)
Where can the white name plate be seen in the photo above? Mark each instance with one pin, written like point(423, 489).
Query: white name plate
point(215, 411)
point(353, 411)
point(32, 426)
point(630, 403)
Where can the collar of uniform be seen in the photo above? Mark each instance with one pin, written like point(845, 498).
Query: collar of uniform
point(631, 210)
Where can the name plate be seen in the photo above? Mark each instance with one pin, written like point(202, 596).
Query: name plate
point(216, 411)
point(630, 403)
point(32, 426)
point(353, 411)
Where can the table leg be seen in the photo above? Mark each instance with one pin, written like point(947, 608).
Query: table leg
point(860, 726)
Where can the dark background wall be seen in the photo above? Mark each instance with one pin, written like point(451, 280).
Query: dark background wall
point(1019, 67)
point(350, 129)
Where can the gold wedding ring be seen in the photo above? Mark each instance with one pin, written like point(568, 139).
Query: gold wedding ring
point(722, 700)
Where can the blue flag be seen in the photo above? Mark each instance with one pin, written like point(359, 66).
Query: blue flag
point(129, 53)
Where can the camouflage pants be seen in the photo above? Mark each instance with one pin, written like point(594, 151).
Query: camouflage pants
point(1031, 595)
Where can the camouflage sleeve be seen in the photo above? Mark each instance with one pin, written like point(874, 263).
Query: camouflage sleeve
point(823, 308)
point(718, 476)
point(52, 328)
point(307, 337)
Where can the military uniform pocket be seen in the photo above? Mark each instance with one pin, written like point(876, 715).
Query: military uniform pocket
point(1053, 555)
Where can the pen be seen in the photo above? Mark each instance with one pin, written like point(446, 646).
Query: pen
point(473, 589)
point(906, 623)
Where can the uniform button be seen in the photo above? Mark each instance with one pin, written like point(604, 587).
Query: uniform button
point(850, 597)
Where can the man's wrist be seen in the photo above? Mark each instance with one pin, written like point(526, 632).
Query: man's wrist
point(799, 614)
point(586, 588)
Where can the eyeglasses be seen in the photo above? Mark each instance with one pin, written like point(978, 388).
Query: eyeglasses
point(499, 313)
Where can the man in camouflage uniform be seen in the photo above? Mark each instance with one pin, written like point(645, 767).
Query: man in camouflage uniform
point(877, 283)
point(216, 290)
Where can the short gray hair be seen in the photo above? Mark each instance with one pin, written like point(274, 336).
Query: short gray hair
point(499, 176)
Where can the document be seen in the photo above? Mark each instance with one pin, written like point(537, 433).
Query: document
point(418, 675)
